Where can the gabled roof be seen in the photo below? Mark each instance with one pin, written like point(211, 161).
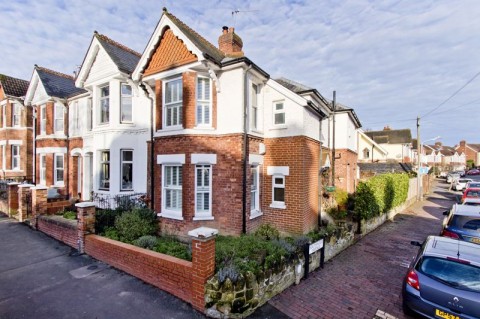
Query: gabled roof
point(57, 84)
point(13, 86)
point(475, 147)
point(293, 86)
point(378, 147)
point(443, 150)
point(340, 108)
point(391, 136)
point(124, 58)
point(200, 42)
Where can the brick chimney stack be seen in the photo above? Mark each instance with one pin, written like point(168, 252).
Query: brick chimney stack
point(438, 145)
point(230, 43)
point(386, 128)
point(461, 147)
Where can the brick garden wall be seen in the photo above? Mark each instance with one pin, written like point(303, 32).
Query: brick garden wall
point(59, 228)
point(165, 272)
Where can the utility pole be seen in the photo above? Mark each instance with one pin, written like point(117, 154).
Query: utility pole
point(333, 138)
point(419, 154)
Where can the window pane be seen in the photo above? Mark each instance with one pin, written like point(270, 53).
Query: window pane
point(278, 181)
point(127, 175)
point(127, 155)
point(279, 106)
point(206, 112)
point(126, 89)
point(105, 91)
point(59, 160)
point(199, 114)
point(280, 118)
point(279, 194)
point(206, 201)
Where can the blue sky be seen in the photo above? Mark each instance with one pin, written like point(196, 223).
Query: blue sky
point(389, 60)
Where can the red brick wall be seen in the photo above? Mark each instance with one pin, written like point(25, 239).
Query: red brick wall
point(62, 231)
point(165, 272)
point(346, 170)
point(226, 176)
point(56, 206)
point(301, 155)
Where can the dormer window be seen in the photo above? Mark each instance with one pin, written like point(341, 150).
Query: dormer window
point(173, 101)
point(126, 103)
point(104, 104)
point(204, 113)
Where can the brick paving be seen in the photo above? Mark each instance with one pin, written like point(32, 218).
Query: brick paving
point(365, 280)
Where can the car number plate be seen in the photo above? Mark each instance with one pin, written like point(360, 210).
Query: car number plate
point(445, 315)
point(476, 240)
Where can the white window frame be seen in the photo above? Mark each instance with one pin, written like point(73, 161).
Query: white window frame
point(281, 111)
point(43, 120)
point(122, 161)
point(59, 118)
point(204, 102)
point(255, 192)
point(4, 157)
point(75, 119)
point(107, 177)
point(177, 189)
point(89, 114)
point(16, 115)
point(43, 169)
point(56, 170)
point(202, 214)
point(123, 98)
point(254, 108)
point(174, 104)
point(15, 158)
point(104, 119)
point(278, 204)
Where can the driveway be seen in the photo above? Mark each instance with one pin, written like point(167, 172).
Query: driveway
point(366, 279)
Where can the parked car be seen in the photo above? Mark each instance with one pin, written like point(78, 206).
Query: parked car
point(443, 280)
point(471, 201)
point(473, 184)
point(462, 222)
point(473, 171)
point(460, 183)
point(452, 176)
point(471, 193)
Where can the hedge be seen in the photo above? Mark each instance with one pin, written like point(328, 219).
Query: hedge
point(380, 194)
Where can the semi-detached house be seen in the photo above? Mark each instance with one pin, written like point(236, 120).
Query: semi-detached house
point(232, 148)
point(15, 130)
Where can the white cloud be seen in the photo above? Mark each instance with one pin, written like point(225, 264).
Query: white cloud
point(390, 60)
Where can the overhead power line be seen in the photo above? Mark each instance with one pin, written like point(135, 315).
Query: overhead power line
point(451, 96)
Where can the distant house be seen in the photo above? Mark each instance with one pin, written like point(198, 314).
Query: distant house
point(397, 143)
point(472, 151)
point(444, 157)
point(15, 130)
point(370, 151)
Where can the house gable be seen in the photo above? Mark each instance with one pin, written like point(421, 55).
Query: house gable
point(170, 53)
point(102, 67)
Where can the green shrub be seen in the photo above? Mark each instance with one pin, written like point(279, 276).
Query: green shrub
point(341, 197)
point(105, 218)
point(135, 224)
point(228, 271)
point(112, 233)
point(267, 232)
point(147, 242)
point(69, 215)
point(380, 194)
point(170, 246)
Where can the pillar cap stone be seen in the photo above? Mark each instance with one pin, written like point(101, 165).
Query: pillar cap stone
point(26, 185)
point(203, 232)
point(39, 187)
point(13, 183)
point(85, 204)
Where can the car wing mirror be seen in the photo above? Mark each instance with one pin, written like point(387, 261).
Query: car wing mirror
point(416, 243)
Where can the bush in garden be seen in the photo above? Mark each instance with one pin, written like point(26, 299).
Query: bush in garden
point(105, 218)
point(70, 214)
point(267, 232)
point(170, 246)
point(135, 224)
point(147, 242)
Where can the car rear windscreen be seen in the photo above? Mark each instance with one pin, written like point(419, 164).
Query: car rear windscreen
point(452, 273)
point(466, 222)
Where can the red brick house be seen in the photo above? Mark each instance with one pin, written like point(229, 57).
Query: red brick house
point(48, 95)
point(472, 151)
point(15, 130)
point(233, 149)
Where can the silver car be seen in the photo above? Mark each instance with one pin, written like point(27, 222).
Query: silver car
point(443, 281)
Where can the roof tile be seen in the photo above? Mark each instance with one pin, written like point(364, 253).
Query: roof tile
point(13, 86)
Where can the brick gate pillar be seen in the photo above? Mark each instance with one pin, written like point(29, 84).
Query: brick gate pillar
point(39, 204)
point(12, 199)
point(86, 223)
point(23, 203)
point(203, 263)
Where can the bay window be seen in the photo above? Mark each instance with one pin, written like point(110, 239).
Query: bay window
point(203, 190)
point(127, 169)
point(104, 104)
point(15, 157)
point(43, 169)
point(59, 118)
point(203, 113)
point(172, 190)
point(104, 183)
point(173, 100)
point(58, 170)
point(16, 116)
point(125, 103)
